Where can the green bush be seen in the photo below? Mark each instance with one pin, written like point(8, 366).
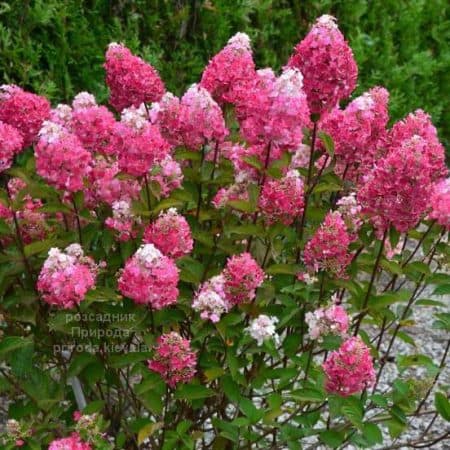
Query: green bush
point(56, 47)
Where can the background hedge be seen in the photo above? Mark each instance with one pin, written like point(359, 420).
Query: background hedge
point(56, 47)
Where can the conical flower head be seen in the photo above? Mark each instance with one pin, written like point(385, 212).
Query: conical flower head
point(327, 64)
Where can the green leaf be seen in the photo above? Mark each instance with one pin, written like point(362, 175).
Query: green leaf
point(40, 247)
point(253, 161)
point(353, 411)
point(13, 343)
point(287, 269)
point(193, 392)
point(443, 289)
point(391, 266)
point(123, 360)
point(308, 395)
point(94, 407)
point(332, 438)
point(327, 142)
point(250, 410)
point(442, 405)
point(372, 433)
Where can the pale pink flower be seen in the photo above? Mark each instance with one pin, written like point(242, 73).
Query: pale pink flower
point(167, 175)
point(210, 299)
point(263, 328)
point(325, 321)
point(123, 221)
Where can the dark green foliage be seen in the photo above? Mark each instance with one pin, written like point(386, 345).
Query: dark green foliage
point(56, 47)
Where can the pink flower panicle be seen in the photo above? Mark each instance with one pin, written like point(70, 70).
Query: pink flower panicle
point(66, 277)
point(201, 119)
point(123, 221)
point(174, 359)
point(359, 132)
point(328, 248)
point(211, 300)
point(282, 200)
point(130, 79)
point(150, 278)
point(242, 276)
point(23, 110)
point(11, 143)
point(440, 203)
point(171, 234)
point(95, 127)
point(325, 321)
point(274, 109)
point(350, 369)
point(61, 159)
point(166, 114)
point(141, 149)
point(419, 124)
point(397, 190)
point(228, 72)
point(73, 442)
point(327, 64)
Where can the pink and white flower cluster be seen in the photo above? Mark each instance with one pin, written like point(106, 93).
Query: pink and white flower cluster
point(150, 278)
point(282, 200)
point(242, 276)
point(130, 79)
point(73, 442)
point(328, 249)
point(350, 369)
point(210, 300)
point(193, 122)
point(174, 359)
point(263, 328)
point(24, 111)
point(66, 277)
point(327, 64)
point(325, 321)
point(170, 233)
point(440, 203)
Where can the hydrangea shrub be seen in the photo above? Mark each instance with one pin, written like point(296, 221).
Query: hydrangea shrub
point(230, 269)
